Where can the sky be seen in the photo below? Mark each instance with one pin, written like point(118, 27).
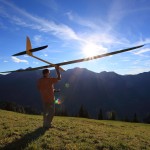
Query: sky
point(75, 29)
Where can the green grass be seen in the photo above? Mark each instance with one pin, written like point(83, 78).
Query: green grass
point(21, 131)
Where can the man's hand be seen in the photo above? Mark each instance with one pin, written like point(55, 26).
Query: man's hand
point(56, 67)
point(58, 73)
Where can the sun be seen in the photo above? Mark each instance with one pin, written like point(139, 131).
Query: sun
point(92, 49)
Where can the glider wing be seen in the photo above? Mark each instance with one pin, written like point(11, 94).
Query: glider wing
point(98, 56)
point(77, 60)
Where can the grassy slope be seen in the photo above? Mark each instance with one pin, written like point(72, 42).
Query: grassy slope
point(20, 131)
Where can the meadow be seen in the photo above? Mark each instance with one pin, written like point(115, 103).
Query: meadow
point(21, 131)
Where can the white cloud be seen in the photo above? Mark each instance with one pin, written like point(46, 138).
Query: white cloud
point(20, 21)
point(138, 61)
point(85, 22)
point(126, 59)
point(95, 38)
point(147, 63)
point(45, 55)
point(51, 4)
point(116, 12)
point(144, 50)
point(63, 31)
point(60, 30)
point(136, 70)
point(5, 61)
point(2, 26)
point(17, 60)
point(143, 41)
point(55, 51)
point(25, 56)
point(35, 62)
point(38, 39)
point(99, 34)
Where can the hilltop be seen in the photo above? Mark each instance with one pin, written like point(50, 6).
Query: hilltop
point(21, 131)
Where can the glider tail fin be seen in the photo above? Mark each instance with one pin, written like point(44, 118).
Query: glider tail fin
point(28, 46)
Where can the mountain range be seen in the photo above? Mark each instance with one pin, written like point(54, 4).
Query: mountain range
point(123, 94)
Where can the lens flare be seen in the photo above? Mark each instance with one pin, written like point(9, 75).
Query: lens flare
point(67, 85)
point(58, 101)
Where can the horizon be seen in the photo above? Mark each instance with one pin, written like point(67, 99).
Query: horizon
point(74, 30)
point(78, 68)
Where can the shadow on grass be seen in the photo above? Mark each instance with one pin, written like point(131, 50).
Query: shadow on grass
point(23, 142)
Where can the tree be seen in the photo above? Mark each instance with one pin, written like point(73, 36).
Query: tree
point(61, 110)
point(111, 115)
point(100, 115)
point(64, 112)
point(135, 118)
point(147, 119)
point(83, 112)
point(126, 119)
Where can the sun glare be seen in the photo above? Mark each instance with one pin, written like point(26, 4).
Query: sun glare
point(92, 49)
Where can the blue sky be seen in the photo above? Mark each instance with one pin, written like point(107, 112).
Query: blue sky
point(75, 29)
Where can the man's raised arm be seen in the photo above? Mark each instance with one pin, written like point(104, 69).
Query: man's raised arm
point(58, 73)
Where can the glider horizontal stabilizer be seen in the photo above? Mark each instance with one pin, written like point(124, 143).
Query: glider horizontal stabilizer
point(31, 50)
point(77, 61)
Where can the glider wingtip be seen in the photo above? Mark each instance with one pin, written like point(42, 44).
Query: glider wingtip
point(27, 37)
point(146, 44)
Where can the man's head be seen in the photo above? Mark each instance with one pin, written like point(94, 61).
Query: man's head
point(46, 73)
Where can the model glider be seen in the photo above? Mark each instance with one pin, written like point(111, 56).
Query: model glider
point(29, 51)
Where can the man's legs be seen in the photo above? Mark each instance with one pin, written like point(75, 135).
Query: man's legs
point(51, 112)
point(48, 114)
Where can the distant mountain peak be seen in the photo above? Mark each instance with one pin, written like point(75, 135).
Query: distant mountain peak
point(110, 74)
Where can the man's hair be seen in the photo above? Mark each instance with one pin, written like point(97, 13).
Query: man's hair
point(45, 71)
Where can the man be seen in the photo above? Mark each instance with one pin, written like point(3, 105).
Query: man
point(46, 88)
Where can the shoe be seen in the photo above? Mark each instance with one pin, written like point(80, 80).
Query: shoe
point(48, 127)
point(52, 126)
